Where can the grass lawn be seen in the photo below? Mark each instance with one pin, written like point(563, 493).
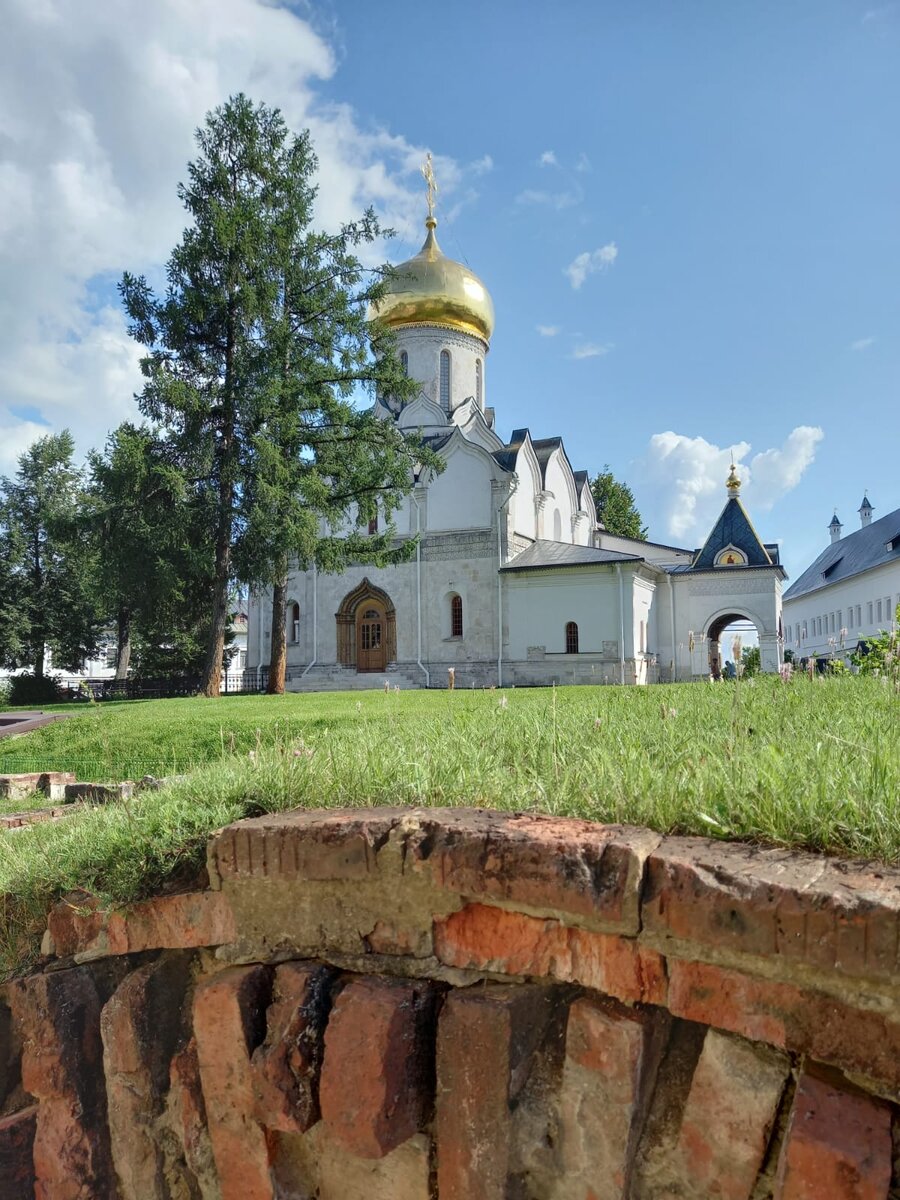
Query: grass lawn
point(812, 763)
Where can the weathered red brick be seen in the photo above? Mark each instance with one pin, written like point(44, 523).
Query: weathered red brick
point(487, 1046)
point(481, 937)
point(287, 1065)
point(51, 783)
point(592, 871)
point(75, 921)
point(187, 1119)
point(313, 845)
point(776, 903)
point(612, 1054)
point(789, 1017)
point(140, 1025)
point(17, 1154)
point(731, 1108)
point(838, 1144)
point(320, 1165)
point(546, 863)
point(59, 1017)
point(229, 1021)
point(182, 921)
point(377, 1087)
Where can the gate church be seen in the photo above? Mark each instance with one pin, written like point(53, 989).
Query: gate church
point(514, 581)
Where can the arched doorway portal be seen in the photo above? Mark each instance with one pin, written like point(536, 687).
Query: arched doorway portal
point(366, 629)
point(735, 623)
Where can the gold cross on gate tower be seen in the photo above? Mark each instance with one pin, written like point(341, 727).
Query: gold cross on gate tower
point(428, 176)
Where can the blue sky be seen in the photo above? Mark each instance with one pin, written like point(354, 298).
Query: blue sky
point(699, 200)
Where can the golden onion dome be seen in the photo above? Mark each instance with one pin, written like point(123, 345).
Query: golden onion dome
point(431, 289)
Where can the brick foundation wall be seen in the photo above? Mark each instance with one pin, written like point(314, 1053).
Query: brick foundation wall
point(411, 1004)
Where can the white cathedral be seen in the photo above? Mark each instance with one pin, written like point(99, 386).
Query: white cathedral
point(514, 582)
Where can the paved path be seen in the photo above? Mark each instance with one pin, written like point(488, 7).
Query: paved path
point(24, 722)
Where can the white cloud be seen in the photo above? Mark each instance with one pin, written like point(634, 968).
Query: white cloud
point(96, 129)
point(686, 476)
point(583, 165)
point(548, 330)
point(557, 200)
point(862, 343)
point(878, 14)
point(590, 262)
point(592, 349)
point(548, 159)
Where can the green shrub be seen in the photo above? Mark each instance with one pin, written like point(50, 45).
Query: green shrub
point(28, 690)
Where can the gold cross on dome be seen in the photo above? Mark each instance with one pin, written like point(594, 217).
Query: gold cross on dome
point(428, 176)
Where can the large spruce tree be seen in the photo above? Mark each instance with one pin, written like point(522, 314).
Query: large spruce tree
point(255, 352)
point(321, 467)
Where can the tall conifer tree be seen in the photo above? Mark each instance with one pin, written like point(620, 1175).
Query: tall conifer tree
point(254, 354)
point(47, 597)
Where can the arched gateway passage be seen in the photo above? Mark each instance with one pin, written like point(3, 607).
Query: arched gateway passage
point(714, 631)
point(366, 629)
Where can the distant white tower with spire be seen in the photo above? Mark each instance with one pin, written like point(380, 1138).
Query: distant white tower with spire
point(865, 512)
point(835, 528)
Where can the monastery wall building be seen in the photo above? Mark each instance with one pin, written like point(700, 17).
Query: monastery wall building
point(514, 581)
point(850, 592)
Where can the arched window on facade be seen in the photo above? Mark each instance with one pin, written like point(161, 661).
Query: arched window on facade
point(445, 380)
point(456, 616)
point(571, 638)
point(404, 362)
point(294, 622)
point(478, 399)
point(373, 524)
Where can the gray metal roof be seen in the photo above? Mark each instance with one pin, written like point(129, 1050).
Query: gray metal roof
point(544, 554)
point(872, 546)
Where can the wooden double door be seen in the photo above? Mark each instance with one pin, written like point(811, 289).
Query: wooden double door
point(371, 637)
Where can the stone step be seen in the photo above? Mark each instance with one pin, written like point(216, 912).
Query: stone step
point(332, 678)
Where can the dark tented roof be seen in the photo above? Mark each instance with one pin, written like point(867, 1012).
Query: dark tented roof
point(546, 554)
point(436, 441)
point(733, 528)
point(581, 478)
point(507, 456)
point(873, 546)
point(543, 448)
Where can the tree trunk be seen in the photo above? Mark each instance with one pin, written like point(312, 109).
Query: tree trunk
point(123, 642)
point(278, 657)
point(226, 454)
point(215, 649)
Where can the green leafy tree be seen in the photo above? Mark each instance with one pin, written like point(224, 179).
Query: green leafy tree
point(321, 468)
point(151, 523)
point(254, 352)
point(616, 507)
point(48, 578)
point(752, 663)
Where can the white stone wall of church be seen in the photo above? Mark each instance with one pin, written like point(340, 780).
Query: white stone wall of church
point(873, 596)
point(461, 498)
point(522, 504)
point(540, 604)
point(558, 509)
point(424, 343)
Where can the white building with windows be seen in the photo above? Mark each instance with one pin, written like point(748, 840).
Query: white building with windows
point(850, 592)
point(514, 580)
